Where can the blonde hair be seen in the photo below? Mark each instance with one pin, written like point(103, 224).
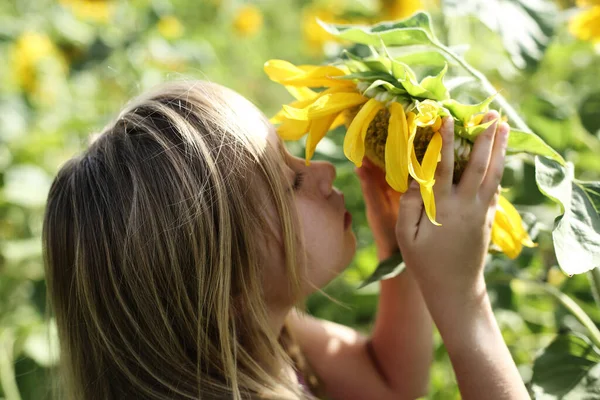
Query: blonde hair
point(154, 251)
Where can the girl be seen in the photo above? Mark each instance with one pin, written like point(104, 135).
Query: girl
point(179, 243)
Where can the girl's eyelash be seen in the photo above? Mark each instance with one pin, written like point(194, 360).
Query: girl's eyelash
point(298, 180)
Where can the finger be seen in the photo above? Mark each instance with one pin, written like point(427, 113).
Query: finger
point(373, 193)
point(409, 214)
point(480, 158)
point(445, 168)
point(493, 176)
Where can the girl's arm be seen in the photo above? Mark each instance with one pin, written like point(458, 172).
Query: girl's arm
point(401, 341)
point(447, 261)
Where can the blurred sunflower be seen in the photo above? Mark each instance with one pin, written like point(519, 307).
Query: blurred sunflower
point(170, 27)
point(401, 136)
point(586, 25)
point(399, 9)
point(91, 10)
point(248, 20)
point(314, 35)
point(27, 53)
point(317, 37)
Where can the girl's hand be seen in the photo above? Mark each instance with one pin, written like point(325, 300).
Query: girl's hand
point(381, 203)
point(448, 260)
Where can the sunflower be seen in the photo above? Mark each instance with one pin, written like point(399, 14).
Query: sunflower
point(395, 125)
point(586, 25)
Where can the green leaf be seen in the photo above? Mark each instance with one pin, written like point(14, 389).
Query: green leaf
point(576, 233)
point(592, 190)
point(413, 30)
point(569, 368)
point(526, 37)
point(528, 142)
point(386, 269)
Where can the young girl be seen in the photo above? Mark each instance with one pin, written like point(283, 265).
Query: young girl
point(178, 245)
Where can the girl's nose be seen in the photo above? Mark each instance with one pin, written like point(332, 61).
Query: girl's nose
point(326, 175)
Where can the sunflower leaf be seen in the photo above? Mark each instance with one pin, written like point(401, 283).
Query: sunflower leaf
point(410, 31)
point(526, 38)
point(386, 269)
point(568, 368)
point(576, 233)
point(528, 142)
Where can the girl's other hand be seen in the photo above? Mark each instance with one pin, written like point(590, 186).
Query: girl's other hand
point(381, 203)
point(448, 260)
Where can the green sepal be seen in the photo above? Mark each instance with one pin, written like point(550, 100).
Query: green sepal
point(376, 63)
point(435, 85)
point(369, 76)
point(471, 132)
point(464, 111)
point(390, 88)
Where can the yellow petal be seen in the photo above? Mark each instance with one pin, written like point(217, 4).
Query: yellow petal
point(339, 121)
point(281, 116)
point(290, 129)
point(396, 154)
point(280, 70)
point(325, 105)
point(414, 168)
point(429, 203)
point(288, 74)
point(318, 128)
point(432, 154)
point(301, 93)
point(585, 25)
point(354, 142)
point(507, 231)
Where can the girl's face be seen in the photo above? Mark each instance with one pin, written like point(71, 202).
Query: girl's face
point(326, 225)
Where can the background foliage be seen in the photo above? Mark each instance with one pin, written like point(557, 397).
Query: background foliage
point(68, 66)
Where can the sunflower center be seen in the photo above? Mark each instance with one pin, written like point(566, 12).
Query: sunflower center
point(377, 136)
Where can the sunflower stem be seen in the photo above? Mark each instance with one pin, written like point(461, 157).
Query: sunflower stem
point(568, 303)
point(487, 86)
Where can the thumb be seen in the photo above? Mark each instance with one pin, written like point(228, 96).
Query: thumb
point(409, 213)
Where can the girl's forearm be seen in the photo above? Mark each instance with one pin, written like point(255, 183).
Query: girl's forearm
point(480, 358)
point(402, 340)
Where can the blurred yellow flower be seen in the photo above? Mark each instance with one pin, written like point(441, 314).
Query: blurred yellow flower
point(399, 9)
point(170, 27)
point(586, 25)
point(27, 52)
point(507, 231)
point(248, 20)
point(314, 34)
point(92, 10)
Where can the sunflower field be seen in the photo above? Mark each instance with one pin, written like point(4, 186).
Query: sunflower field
point(68, 66)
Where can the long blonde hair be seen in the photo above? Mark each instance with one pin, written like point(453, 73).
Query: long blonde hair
point(154, 251)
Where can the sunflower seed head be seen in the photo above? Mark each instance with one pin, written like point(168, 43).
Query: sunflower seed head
point(377, 136)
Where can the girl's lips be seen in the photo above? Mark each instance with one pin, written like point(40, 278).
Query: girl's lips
point(347, 220)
